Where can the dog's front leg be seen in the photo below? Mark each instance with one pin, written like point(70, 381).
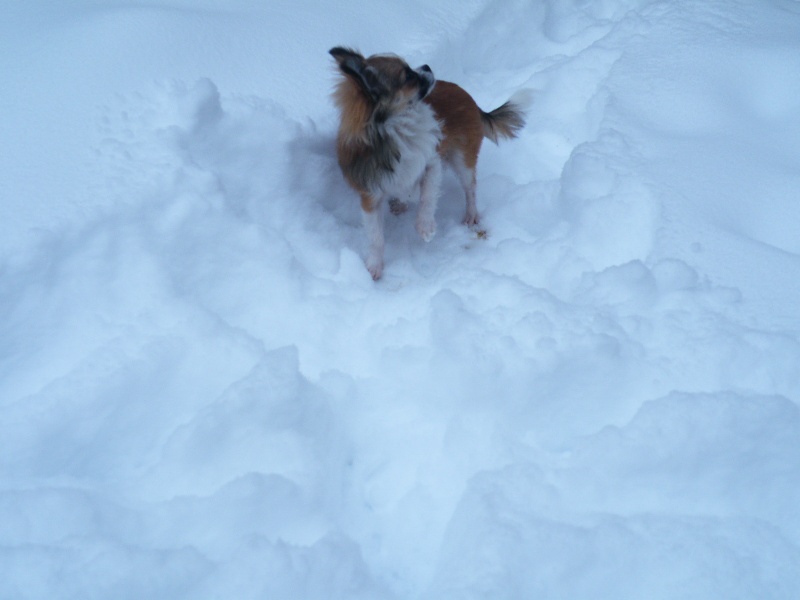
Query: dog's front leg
point(429, 197)
point(371, 210)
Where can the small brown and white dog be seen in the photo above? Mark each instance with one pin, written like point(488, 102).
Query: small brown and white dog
point(397, 126)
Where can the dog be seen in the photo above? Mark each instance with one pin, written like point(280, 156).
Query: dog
point(397, 126)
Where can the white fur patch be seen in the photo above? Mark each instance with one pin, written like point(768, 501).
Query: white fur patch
point(416, 133)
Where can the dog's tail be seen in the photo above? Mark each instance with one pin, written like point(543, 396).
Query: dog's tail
point(505, 121)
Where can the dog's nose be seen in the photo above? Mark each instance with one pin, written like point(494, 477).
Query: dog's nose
point(425, 68)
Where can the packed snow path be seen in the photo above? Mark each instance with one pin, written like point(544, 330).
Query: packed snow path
point(204, 395)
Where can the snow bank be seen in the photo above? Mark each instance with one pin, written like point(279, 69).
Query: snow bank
point(203, 393)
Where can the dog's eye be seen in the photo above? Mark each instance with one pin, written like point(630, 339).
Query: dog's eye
point(411, 75)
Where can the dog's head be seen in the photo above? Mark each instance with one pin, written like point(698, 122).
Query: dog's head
point(385, 80)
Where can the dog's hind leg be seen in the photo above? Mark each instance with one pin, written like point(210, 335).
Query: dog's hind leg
point(429, 197)
point(372, 211)
point(466, 176)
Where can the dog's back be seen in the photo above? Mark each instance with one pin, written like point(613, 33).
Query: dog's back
point(460, 117)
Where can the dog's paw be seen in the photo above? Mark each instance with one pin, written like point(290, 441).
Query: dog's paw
point(375, 267)
point(397, 207)
point(426, 229)
point(471, 218)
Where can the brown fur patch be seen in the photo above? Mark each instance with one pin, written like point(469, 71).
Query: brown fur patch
point(461, 121)
point(354, 110)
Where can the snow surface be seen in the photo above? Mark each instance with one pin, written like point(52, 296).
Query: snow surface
point(204, 395)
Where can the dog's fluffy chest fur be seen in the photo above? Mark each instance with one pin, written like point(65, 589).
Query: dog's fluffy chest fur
point(415, 133)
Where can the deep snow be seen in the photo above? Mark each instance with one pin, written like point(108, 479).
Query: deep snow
point(204, 395)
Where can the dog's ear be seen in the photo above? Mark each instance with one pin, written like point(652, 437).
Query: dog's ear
point(353, 64)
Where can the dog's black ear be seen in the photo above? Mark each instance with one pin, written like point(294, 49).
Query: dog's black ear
point(352, 63)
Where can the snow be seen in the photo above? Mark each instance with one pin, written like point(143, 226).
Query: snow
point(203, 394)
